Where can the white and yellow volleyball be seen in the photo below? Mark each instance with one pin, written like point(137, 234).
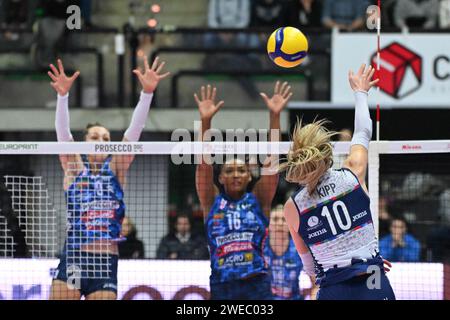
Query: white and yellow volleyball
point(287, 47)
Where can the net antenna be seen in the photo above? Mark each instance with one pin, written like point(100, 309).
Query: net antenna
point(378, 67)
point(35, 212)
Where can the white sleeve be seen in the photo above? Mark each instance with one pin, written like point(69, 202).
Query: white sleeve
point(363, 123)
point(139, 117)
point(62, 120)
point(308, 264)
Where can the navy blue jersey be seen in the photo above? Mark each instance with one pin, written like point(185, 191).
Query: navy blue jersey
point(336, 226)
point(95, 206)
point(285, 272)
point(236, 231)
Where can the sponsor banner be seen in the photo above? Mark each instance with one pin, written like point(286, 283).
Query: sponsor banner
point(22, 279)
point(414, 68)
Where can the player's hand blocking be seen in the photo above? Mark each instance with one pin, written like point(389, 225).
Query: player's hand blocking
point(150, 78)
point(362, 81)
point(61, 82)
point(280, 98)
point(207, 105)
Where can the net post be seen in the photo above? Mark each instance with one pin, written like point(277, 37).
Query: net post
point(374, 182)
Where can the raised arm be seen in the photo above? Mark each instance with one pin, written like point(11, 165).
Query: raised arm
point(149, 79)
point(204, 180)
point(62, 84)
point(266, 187)
point(358, 157)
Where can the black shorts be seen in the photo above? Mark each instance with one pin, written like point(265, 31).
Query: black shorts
point(89, 272)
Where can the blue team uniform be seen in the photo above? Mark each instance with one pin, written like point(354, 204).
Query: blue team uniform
point(336, 226)
point(236, 232)
point(285, 272)
point(95, 210)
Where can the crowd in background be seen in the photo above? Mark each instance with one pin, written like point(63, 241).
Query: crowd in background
point(344, 14)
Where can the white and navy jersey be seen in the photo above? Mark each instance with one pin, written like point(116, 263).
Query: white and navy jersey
point(336, 226)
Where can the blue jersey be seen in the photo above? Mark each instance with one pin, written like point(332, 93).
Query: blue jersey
point(95, 206)
point(236, 233)
point(336, 226)
point(285, 272)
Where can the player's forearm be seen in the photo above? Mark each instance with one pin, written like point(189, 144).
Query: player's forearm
point(363, 123)
point(206, 125)
point(62, 119)
point(275, 126)
point(139, 117)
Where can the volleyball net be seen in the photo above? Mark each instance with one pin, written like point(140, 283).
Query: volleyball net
point(163, 252)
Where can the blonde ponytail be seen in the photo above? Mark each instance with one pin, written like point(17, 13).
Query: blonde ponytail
point(310, 155)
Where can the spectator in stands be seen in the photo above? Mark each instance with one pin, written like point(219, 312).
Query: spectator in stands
point(269, 13)
point(416, 13)
point(132, 247)
point(232, 14)
point(384, 217)
point(305, 13)
point(228, 14)
point(400, 246)
point(86, 12)
point(51, 27)
point(439, 238)
point(182, 244)
point(14, 12)
point(346, 15)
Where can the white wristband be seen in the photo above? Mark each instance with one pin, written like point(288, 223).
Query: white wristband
point(308, 263)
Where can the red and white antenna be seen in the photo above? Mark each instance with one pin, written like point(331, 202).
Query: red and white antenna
point(378, 68)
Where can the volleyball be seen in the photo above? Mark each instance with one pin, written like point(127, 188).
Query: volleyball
point(287, 47)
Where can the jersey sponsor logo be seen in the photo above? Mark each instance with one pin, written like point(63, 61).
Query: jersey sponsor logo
point(250, 216)
point(222, 204)
point(313, 221)
point(92, 215)
point(232, 237)
point(234, 247)
point(218, 216)
point(359, 215)
point(236, 260)
point(317, 233)
point(97, 225)
point(100, 205)
point(244, 206)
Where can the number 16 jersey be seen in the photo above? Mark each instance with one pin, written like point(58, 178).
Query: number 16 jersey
point(336, 225)
point(237, 231)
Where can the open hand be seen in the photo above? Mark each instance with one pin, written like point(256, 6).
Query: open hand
point(207, 104)
point(362, 81)
point(279, 99)
point(61, 82)
point(150, 78)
